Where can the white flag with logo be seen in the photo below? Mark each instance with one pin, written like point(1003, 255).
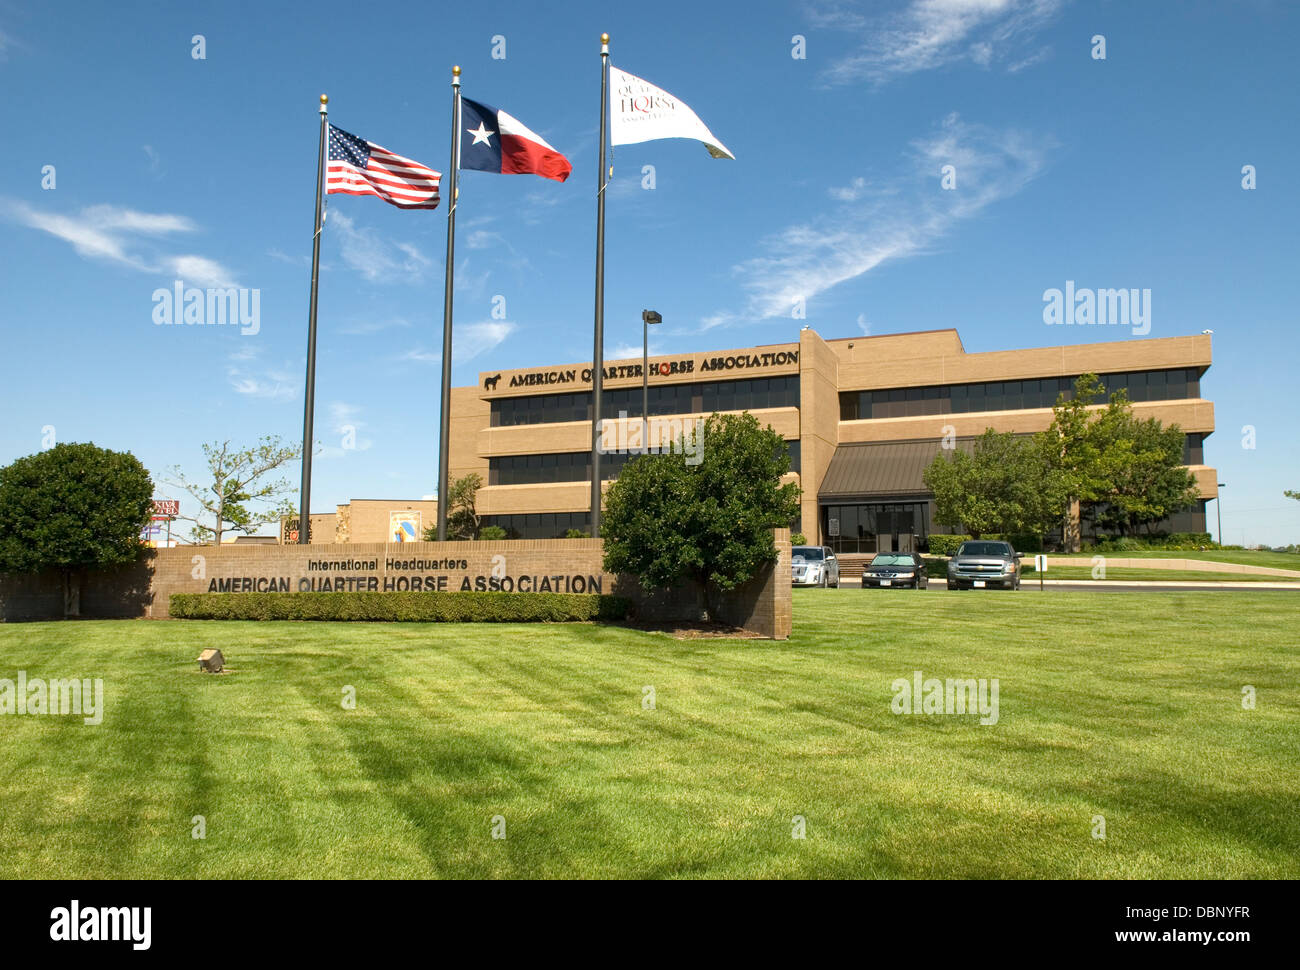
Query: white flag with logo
point(639, 112)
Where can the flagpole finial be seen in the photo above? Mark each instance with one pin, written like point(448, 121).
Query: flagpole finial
point(456, 70)
point(604, 38)
point(324, 101)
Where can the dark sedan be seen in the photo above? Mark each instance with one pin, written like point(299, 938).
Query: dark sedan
point(890, 569)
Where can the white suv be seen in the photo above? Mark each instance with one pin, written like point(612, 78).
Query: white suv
point(814, 566)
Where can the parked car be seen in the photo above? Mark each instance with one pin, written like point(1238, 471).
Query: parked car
point(814, 566)
point(981, 563)
point(889, 569)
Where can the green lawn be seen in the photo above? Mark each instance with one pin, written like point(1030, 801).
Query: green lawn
point(1131, 574)
point(1247, 557)
point(1126, 706)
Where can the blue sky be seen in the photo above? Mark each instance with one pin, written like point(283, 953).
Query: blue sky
point(1122, 172)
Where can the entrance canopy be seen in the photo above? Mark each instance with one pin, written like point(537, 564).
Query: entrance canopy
point(876, 469)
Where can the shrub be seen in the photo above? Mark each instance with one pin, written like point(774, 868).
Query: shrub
point(576, 534)
point(1122, 544)
point(1196, 539)
point(671, 517)
point(491, 532)
point(1022, 542)
point(798, 539)
point(1177, 542)
point(945, 545)
point(73, 508)
point(474, 607)
point(935, 568)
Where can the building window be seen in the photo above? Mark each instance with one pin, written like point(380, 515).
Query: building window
point(551, 468)
point(540, 525)
point(912, 402)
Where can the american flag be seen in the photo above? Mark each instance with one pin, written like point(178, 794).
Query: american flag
point(360, 167)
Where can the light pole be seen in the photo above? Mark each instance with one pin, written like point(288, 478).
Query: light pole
point(647, 317)
point(1218, 512)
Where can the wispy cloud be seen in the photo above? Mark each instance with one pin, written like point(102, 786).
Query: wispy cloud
point(345, 423)
point(630, 351)
point(482, 238)
point(890, 220)
point(113, 234)
point(422, 355)
point(155, 160)
point(361, 328)
point(851, 192)
point(273, 383)
point(198, 271)
point(282, 257)
point(469, 340)
point(374, 257)
point(927, 34)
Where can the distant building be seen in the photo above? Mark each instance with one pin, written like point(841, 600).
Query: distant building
point(367, 520)
point(862, 418)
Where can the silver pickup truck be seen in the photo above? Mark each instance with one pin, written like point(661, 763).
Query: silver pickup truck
point(981, 563)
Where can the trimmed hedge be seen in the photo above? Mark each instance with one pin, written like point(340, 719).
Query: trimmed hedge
point(935, 568)
point(1022, 542)
point(471, 607)
point(1177, 542)
point(946, 545)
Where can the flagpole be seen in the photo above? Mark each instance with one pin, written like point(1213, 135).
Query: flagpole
point(598, 350)
point(309, 403)
point(444, 415)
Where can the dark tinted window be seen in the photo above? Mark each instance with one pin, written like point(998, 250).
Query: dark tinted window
point(984, 549)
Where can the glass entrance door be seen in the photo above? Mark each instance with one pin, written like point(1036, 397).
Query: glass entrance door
point(876, 526)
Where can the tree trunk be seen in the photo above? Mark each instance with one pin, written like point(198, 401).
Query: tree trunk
point(71, 594)
point(1070, 533)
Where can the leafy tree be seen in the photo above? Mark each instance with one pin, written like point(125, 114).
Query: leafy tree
point(1123, 471)
point(1142, 466)
point(1001, 486)
point(667, 520)
point(236, 476)
point(1071, 450)
point(462, 516)
point(73, 508)
point(1290, 494)
point(489, 532)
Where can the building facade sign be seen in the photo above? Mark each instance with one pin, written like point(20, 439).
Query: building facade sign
point(559, 378)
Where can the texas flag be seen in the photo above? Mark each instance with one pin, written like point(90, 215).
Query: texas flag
point(494, 141)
